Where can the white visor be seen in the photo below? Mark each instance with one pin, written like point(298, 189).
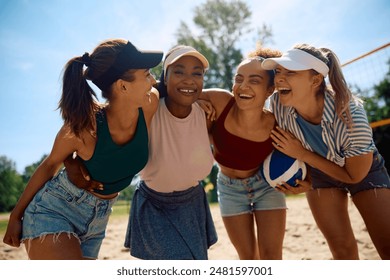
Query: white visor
point(185, 51)
point(297, 60)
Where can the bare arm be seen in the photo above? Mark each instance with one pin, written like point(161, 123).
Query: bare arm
point(218, 98)
point(214, 94)
point(151, 108)
point(213, 101)
point(355, 169)
point(63, 146)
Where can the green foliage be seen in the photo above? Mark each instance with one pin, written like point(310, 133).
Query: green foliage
point(222, 25)
point(377, 100)
point(127, 193)
point(11, 184)
point(210, 183)
point(377, 105)
point(121, 208)
point(382, 94)
point(30, 169)
point(382, 134)
point(3, 226)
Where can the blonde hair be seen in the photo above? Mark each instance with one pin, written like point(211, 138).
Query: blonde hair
point(338, 86)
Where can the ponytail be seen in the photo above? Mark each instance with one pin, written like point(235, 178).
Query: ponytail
point(78, 101)
point(339, 86)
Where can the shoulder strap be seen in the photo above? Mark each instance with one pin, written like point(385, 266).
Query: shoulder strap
point(227, 108)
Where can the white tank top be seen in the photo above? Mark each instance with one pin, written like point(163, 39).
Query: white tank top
point(179, 150)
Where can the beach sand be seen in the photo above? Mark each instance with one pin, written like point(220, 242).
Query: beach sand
point(302, 241)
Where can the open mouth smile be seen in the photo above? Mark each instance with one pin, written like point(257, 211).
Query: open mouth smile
point(245, 96)
point(284, 91)
point(187, 91)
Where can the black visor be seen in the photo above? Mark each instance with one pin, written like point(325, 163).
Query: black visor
point(129, 58)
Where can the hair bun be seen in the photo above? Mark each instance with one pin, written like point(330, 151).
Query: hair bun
point(86, 59)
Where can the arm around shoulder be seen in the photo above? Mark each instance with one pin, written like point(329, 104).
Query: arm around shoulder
point(215, 93)
point(151, 108)
point(219, 98)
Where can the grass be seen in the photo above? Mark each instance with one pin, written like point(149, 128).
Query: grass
point(121, 208)
point(3, 226)
point(294, 196)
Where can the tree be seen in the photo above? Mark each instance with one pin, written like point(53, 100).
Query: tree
point(378, 108)
point(210, 183)
point(29, 170)
point(222, 25)
point(382, 134)
point(382, 93)
point(11, 184)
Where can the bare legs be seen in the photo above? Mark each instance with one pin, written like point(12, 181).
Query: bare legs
point(270, 226)
point(54, 247)
point(330, 211)
point(374, 207)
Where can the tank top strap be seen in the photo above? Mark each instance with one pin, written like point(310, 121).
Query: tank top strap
point(102, 129)
point(226, 110)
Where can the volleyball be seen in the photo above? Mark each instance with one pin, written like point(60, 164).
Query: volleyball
point(279, 167)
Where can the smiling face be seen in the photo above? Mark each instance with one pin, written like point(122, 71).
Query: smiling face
point(294, 87)
point(138, 87)
point(251, 85)
point(184, 80)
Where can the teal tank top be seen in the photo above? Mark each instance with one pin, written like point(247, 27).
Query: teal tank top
point(116, 165)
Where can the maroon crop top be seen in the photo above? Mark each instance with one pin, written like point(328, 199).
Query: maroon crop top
point(236, 152)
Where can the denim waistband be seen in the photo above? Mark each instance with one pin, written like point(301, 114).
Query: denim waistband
point(231, 181)
point(78, 193)
point(175, 197)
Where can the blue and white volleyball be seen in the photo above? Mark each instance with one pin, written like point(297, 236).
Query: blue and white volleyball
point(279, 167)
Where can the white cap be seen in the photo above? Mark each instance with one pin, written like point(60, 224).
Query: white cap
point(297, 60)
point(184, 51)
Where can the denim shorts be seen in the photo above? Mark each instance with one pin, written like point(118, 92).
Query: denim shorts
point(377, 177)
point(61, 207)
point(242, 196)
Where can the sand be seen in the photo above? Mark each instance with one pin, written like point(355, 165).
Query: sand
point(303, 240)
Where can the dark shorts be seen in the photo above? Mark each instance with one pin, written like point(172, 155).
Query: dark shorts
point(377, 177)
point(170, 226)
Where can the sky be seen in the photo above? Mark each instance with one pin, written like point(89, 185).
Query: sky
point(38, 37)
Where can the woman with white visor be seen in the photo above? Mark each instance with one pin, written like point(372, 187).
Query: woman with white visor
point(327, 127)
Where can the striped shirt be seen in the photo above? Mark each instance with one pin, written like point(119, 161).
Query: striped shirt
point(342, 141)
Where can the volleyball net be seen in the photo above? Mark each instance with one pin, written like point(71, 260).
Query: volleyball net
point(363, 73)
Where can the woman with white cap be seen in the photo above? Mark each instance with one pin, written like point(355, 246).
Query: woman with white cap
point(170, 216)
point(326, 127)
point(62, 219)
